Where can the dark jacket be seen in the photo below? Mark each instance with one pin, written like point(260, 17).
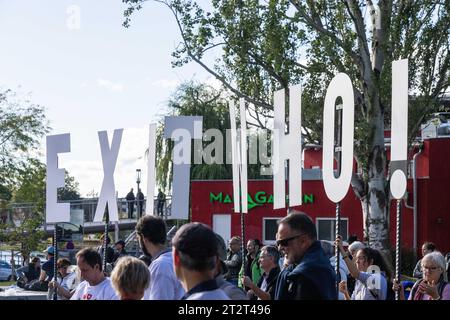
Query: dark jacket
point(29, 271)
point(233, 263)
point(120, 254)
point(109, 254)
point(130, 196)
point(140, 197)
point(312, 279)
point(418, 273)
point(271, 281)
point(161, 197)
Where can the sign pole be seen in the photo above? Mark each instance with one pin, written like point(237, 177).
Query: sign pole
point(337, 264)
point(397, 246)
point(55, 262)
point(338, 153)
point(105, 238)
point(243, 239)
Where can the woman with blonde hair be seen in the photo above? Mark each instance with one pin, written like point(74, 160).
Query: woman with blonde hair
point(130, 278)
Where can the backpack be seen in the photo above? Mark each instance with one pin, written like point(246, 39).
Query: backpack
point(36, 285)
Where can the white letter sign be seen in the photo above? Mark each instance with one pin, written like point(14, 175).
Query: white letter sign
point(108, 191)
point(399, 128)
point(337, 188)
point(151, 170)
point(56, 212)
point(239, 156)
point(287, 147)
point(181, 130)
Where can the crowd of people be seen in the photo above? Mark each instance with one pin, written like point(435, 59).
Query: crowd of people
point(197, 265)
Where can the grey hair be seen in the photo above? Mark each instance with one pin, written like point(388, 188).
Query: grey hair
point(356, 246)
point(328, 248)
point(438, 259)
point(273, 252)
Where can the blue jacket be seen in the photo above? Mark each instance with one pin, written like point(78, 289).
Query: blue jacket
point(312, 278)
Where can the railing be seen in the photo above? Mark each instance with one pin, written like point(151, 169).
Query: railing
point(5, 255)
point(124, 207)
point(16, 212)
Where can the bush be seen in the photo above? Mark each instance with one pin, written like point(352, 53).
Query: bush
point(408, 261)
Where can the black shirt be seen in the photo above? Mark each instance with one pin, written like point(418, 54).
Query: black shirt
point(48, 267)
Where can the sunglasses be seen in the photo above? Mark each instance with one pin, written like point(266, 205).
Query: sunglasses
point(285, 242)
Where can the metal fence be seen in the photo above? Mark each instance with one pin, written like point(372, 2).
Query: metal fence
point(15, 213)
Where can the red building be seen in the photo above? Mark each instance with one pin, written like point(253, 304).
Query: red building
point(211, 202)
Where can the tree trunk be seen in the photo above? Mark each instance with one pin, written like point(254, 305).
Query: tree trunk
point(378, 233)
point(365, 211)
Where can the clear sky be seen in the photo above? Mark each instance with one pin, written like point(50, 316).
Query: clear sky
point(92, 76)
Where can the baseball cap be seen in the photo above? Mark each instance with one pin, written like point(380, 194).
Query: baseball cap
point(196, 240)
point(50, 250)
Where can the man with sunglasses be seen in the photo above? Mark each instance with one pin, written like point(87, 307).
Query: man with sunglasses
point(309, 275)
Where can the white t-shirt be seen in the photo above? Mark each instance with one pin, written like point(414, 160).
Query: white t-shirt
point(102, 291)
point(68, 283)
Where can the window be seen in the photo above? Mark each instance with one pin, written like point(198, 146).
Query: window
point(270, 228)
point(222, 226)
point(326, 228)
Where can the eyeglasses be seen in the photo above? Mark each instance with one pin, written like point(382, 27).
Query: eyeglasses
point(430, 268)
point(285, 242)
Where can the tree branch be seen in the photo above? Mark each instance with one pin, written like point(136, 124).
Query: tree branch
point(358, 186)
point(212, 46)
point(355, 14)
point(317, 25)
point(237, 92)
point(267, 67)
point(260, 124)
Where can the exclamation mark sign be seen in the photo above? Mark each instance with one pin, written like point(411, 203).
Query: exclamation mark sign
point(399, 128)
